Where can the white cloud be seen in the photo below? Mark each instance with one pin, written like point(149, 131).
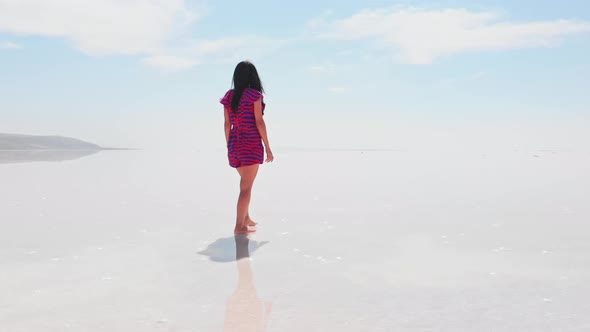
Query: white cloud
point(326, 68)
point(222, 50)
point(10, 46)
point(170, 62)
point(220, 45)
point(422, 36)
point(232, 49)
point(103, 27)
point(155, 30)
point(338, 89)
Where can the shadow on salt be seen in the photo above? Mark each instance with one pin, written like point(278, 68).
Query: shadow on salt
point(232, 248)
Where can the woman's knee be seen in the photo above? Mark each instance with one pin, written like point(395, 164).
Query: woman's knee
point(245, 188)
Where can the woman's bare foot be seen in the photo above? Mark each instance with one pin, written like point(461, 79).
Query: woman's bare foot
point(250, 222)
point(243, 230)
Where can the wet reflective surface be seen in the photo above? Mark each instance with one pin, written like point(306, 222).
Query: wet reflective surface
point(347, 241)
point(26, 156)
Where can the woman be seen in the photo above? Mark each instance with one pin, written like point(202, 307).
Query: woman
point(245, 131)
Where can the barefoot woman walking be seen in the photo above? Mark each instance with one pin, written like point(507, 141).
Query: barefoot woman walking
point(245, 131)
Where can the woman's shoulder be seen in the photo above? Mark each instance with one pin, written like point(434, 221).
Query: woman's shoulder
point(253, 94)
point(254, 91)
point(226, 99)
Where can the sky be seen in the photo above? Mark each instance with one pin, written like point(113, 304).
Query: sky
point(337, 74)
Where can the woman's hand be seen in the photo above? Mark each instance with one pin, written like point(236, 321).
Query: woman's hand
point(269, 156)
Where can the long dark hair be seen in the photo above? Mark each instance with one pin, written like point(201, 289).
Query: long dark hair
point(245, 76)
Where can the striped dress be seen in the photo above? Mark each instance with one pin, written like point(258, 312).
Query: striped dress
point(244, 147)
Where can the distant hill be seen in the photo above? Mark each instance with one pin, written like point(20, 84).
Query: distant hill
point(34, 143)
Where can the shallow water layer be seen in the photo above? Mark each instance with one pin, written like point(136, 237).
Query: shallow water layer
point(347, 241)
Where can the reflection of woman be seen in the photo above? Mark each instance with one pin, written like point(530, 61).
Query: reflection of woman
point(245, 312)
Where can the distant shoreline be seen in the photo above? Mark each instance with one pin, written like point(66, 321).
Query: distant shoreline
point(83, 150)
point(22, 142)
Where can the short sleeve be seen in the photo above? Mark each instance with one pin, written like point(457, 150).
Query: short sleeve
point(227, 98)
point(254, 95)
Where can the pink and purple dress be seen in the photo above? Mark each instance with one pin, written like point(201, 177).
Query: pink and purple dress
point(244, 147)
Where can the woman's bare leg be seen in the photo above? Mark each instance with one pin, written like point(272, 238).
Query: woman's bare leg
point(247, 174)
point(249, 221)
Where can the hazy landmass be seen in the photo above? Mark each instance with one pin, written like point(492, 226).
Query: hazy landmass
point(17, 148)
point(30, 142)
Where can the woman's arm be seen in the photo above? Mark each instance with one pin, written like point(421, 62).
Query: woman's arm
point(226, 124)
point(262, 128)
